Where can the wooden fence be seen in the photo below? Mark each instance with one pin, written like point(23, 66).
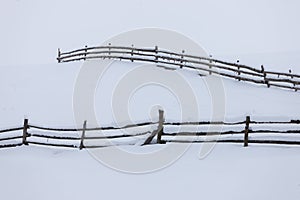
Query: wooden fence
point(79, 136)
point(62, 136)
point(172, 60)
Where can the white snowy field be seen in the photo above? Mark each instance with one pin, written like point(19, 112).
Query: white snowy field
point(34, 86)
point(229, 172)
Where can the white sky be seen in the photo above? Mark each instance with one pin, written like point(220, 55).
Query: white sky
point(32, 30)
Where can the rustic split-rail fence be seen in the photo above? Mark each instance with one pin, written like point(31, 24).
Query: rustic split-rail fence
point(244, 132)
point(172, 60)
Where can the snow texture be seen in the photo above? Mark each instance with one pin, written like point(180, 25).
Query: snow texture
point(33, 85)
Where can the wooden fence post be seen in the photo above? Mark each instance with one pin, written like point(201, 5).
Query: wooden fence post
point(156, 49)
point(109, 44)
point(290, 71)
point(82, 136)
point(265, 76)
point(132, 46)
point(160, 128)
point(238, 71)
point(85, 50)
point(158, 131)
point(246, 131)
point(262, 69)
point(58, 55)
point(210, 61)
point(181, 61)
point(25, 127)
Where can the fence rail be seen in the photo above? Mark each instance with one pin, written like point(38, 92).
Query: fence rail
point(238, 132)
point(202, 65)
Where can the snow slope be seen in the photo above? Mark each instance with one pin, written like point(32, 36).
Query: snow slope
point(33, 85)
point(229, 172)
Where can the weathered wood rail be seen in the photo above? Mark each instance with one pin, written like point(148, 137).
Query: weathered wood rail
point(202, 65)
point(78, 137)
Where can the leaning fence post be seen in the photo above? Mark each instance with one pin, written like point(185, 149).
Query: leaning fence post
point(158, 131)
point(246, 131)
point(83, 135)
point(25, 127)
point(160, 128)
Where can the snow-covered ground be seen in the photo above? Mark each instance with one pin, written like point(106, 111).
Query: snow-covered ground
point(33, 85)
point(229, 172)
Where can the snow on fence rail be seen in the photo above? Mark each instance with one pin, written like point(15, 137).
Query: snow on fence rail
point(202, 65)
point(165, 132)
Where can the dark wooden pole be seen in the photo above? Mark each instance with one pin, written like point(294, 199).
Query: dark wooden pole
point(181, 57)
point(210, 61)
point(246, 131)
point(160, 128)
point(266, 81)
point(58, 55)
point(239, 73)
point(25, 127)
point(85, 50)
point(158, 131)
point(109, 44)
point(290, 71)
point(156, 49)
point(82, 136)
point(262, 69)
point(132, 46)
